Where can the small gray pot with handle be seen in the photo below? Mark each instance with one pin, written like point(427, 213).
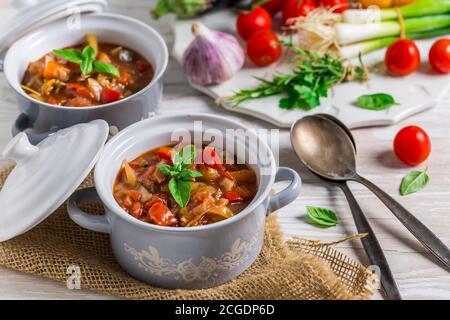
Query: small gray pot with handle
point(194, 257)
point(39, 119)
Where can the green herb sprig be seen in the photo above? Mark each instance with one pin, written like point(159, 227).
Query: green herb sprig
point(414, 181)
point(179, 183)
point(377, 101)
point(310, 80)
point(86, 60)
point(322, 217)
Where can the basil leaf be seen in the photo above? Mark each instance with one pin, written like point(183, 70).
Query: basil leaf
point(414, 181)
point(103, 67)
point(86, 66)
point(88, 53)
point(180, 190)
point(185, 157)
point(167, 170)
point(189, 174)
point(378, 101)
point(71, 55)
point(322, 217)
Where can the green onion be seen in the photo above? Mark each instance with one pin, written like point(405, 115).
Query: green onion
point(416, 9)
point(353, 50)
point(347, 33)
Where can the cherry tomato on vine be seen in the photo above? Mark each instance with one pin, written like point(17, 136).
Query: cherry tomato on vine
point(264, 48)
point(439, 56)
point(272, 6)
point(412, 145)
point(250, 22)
point(296, 8)
point(402, 57)
point(338, 5)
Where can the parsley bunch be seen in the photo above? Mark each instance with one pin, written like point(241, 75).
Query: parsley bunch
point(310, 80)
point(181, 175)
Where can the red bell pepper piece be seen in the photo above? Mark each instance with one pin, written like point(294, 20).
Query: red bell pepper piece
point(232, 196)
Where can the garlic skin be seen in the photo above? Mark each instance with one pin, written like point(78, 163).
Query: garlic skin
point(213, 57)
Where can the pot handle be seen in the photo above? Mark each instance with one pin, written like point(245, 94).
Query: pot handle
point(289, 194)
point(98, 223)
point(22, 124)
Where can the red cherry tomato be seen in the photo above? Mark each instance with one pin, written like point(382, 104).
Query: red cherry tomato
point(338, 5)
point(109, 95)
point(439, 56)
point(263, 48)
point(296, 8)
point(272, 6)
point(402, 57)
point(412, 145)
point(256, 20)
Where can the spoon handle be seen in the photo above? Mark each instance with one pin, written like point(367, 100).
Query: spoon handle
point(417, 228)
point(372, 246)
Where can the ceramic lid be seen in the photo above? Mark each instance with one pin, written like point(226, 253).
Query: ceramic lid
point(33, 14)
point(47, 174)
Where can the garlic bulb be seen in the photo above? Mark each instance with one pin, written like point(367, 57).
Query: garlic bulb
point(212, 57)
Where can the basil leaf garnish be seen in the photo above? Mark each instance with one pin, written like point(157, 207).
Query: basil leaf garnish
point(103, 67)
point(179, 184)
point(414, 181)
point(322, 217)
point(378, 101)
point(180, 190)
point(86, 60)
point(72, 55)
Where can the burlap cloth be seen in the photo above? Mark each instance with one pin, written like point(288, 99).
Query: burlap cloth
point(296, 269)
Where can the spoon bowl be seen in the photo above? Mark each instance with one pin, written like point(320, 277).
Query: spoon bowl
point(324, 147)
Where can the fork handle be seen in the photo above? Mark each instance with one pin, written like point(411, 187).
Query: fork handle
point(372, 246)
point(417, 228)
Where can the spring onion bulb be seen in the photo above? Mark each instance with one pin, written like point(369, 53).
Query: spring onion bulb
point(416, 9)
point(347, 33)
point(353, 50)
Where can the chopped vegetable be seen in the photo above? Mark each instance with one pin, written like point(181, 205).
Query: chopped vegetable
point(233, 196)
point(92, 41)
point(110, 95)
point(377, 101)
point(161, 215)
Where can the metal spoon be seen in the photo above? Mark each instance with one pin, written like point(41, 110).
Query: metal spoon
point(370, 242)
point(326, 149)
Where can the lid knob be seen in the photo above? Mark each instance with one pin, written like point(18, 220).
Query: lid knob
point(19, 149)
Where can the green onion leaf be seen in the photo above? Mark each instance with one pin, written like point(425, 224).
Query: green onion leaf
point(377, 101)
point(414, 181)
point(322, 217)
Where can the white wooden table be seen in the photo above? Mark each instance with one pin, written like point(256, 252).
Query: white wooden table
point(416, 272)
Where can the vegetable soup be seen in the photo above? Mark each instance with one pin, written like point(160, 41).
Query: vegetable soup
point(87, 74)
point(183, 187)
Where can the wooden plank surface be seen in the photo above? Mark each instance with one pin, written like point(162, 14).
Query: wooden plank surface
point(417, 274)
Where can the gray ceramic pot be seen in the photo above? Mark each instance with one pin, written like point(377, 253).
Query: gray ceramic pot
point(195, 257)
point(39, 119)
